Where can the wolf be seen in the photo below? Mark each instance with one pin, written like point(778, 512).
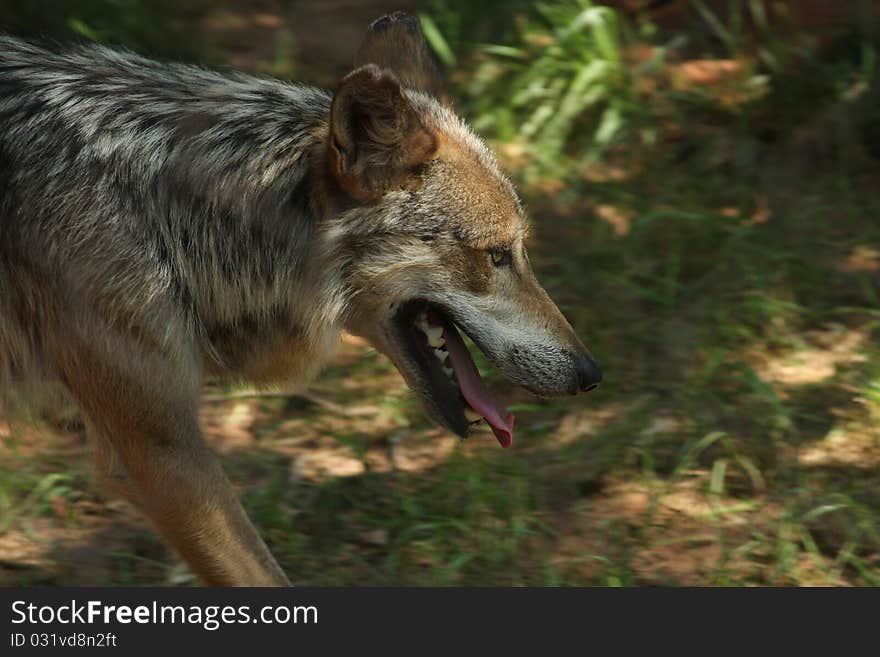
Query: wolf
point(161, 223)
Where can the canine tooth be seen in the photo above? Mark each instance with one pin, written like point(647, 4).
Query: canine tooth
point(472, 415)
point(448, 371)
point(435, 336)
point(441, 355)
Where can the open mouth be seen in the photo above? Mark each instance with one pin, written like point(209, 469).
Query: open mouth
point(434, 346)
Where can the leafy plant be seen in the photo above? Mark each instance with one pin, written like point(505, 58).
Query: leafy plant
point(565, 88)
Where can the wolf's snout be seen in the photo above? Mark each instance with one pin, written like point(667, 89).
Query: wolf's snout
point(589, 374)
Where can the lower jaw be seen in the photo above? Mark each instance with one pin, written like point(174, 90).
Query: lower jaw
point(457, 414)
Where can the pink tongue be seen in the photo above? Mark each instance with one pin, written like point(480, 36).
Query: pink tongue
point(474, 390)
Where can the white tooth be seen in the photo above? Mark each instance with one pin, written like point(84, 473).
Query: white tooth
point(435, 336)
point(472, 415)
point(448, 371)
point(441, 355)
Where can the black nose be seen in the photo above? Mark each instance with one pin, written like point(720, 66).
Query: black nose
point(588, 372)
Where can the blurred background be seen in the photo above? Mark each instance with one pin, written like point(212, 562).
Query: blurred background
point(703, 180)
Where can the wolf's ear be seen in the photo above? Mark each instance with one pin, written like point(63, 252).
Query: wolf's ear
point(396, 42)
point(377, 140)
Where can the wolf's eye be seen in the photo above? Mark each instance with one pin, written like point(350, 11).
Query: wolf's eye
point(501, 257)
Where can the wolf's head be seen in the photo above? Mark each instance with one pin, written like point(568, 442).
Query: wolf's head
point(434, 241)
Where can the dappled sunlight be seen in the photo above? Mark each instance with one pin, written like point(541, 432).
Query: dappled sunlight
point(665, 423)
point(830, 349)
point(30, 550)
point(320, 464)
point(618, 218)
point(583, 423)
point(228, 428)
point(85, 540)
point(413, 453)
point(730, 82)
point(855, 447)
point(862, 259)
point(608, 172)
point(671, 533)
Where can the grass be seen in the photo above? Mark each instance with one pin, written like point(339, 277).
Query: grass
point(718, 254)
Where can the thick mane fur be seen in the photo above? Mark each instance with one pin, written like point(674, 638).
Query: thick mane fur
point(107, 150)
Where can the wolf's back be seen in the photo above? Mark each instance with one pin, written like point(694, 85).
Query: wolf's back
point(161, 194)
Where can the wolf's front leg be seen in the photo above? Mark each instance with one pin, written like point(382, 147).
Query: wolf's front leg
point(141, 407)
point(180, 485)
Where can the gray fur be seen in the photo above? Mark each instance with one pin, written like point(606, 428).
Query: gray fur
point(173, 194)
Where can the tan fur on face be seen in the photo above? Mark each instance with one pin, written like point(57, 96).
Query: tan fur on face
point(486, 212)
point(484, 199)
point(474, 267)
